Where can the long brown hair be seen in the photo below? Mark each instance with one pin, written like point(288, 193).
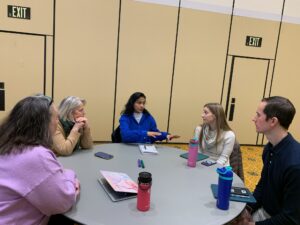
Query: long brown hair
point(221, 122)
point(27, 125)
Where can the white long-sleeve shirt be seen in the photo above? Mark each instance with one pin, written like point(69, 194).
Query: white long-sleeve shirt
point(220, 152)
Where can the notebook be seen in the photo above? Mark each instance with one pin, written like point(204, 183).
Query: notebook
point(118, 186)
point(238, 194)
point(147, 149)
point(200, 156)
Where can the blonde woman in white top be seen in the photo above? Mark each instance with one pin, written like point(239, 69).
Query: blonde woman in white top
point(216, 139)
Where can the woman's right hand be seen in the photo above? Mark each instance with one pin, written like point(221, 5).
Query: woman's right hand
point(172, 136)
point(78, 126)
point(82, 120)
point(153, 134)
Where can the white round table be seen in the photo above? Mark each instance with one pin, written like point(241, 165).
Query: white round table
point(180, 195)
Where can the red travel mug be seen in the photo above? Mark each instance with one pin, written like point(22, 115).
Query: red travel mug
point(144, 190)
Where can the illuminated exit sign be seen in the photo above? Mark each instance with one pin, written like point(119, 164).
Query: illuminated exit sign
point(18, 12)
point(253, 41)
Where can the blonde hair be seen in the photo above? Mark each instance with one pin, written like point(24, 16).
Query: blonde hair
point(221, 123)
point(67, 106)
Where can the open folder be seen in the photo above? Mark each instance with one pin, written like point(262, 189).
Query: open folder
point(118, 186)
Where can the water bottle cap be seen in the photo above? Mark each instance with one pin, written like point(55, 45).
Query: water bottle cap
point(145, 177)
point(225, 172)
point(194, 141)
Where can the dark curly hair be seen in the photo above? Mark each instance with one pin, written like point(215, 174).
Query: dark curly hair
point(129, 107)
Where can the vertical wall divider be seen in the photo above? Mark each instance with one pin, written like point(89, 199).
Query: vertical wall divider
point(174, 63)
point(117, 65)
point(228, 45)
point(277, 43)
point(53, 47)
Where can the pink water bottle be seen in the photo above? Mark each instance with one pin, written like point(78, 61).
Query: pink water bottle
point(144, 190)
point(193, 153)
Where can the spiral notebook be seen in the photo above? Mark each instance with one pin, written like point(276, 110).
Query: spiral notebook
point(148, 149)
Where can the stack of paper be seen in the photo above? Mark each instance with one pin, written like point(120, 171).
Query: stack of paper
point(148, 149)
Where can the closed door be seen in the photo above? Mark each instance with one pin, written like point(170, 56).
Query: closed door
point(21, 68)
point(247, 86)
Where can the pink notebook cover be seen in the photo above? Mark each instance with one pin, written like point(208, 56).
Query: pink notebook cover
point(120, 182)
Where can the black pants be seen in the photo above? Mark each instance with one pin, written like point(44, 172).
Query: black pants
point(61, 220)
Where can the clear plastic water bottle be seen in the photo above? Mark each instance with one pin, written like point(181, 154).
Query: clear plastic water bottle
point(193, 153)
point(144, 191)
point(224, 187)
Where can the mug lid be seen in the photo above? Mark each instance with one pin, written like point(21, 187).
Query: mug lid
point(145, 177)
point(225, 171)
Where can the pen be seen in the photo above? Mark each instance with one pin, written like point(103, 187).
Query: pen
point(139, 163)
point(142, 163)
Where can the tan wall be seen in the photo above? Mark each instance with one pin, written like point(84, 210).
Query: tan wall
point(86, 40)
point(201, 52)
point(147, 40)
point(85, 58)
point(41, 21)
point(250, 73)
point(286, 77)
point(243, 26)
point(21, 63)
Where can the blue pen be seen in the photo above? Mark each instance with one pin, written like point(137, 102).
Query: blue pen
point(139, 163)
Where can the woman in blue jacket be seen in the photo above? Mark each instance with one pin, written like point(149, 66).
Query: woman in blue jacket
point(136, 123)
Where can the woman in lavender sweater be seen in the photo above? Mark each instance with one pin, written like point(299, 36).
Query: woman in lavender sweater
point(33, 184)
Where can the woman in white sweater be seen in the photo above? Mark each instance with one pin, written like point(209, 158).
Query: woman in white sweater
point(216, 138)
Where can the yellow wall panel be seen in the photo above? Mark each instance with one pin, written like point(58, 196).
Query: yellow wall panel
point(199, 71)
point(85, 58)
point(286, 77)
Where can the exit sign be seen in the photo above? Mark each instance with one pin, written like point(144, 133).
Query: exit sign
point(18, 12)
point(253, 41)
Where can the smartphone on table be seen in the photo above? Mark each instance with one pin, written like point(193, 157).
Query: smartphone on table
point(208, 162)
point(103, 155)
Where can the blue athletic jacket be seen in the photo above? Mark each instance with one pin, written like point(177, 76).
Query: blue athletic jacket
point(134, 132)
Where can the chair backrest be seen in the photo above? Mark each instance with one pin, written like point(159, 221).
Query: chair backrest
point(236, 161)
point(116, 135)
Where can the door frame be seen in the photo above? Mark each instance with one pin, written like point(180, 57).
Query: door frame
point(45, 51)
point(229, 107)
